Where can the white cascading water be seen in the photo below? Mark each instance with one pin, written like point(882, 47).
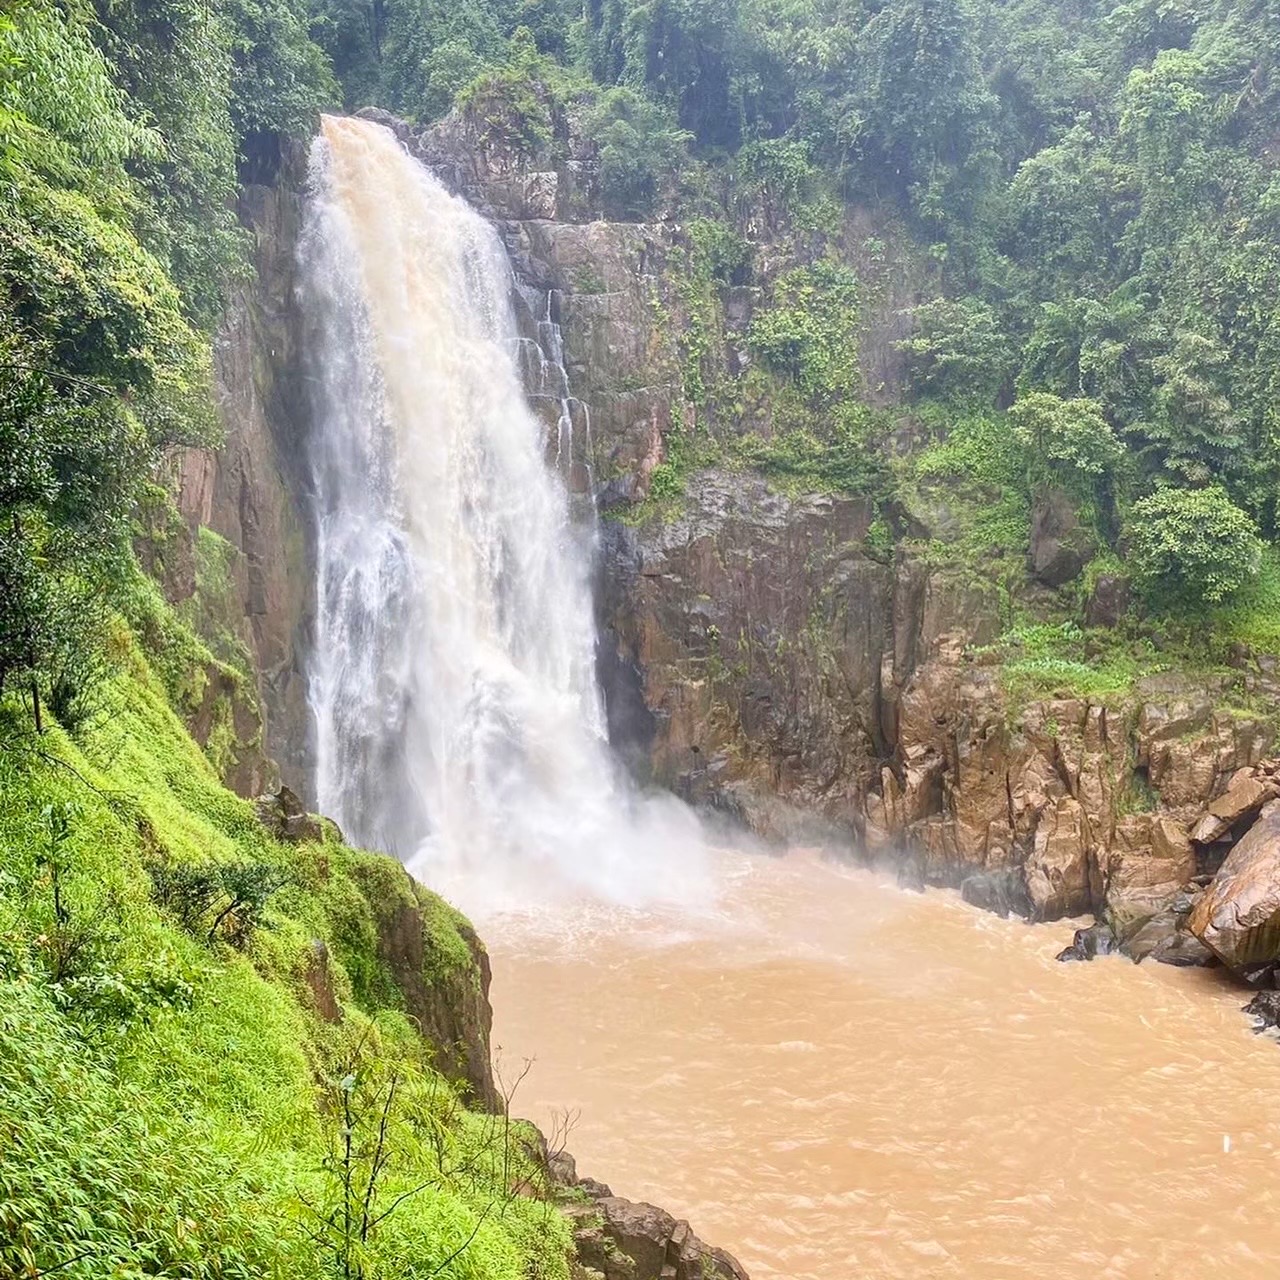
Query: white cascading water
point(458, 720)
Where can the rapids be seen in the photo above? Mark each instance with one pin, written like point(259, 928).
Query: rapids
point(836, 1079)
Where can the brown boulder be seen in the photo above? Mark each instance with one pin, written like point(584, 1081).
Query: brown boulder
point(1246, 795)
point(623, 1240)
point(1061, 545)
point(1238, 918)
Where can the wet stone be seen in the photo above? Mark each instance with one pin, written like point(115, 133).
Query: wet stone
point(1002, 892)
point(1096, 940)
point(1265, 1009)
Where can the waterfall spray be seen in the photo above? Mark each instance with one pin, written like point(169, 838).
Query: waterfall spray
point(457, 717)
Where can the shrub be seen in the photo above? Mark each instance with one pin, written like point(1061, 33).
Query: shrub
point(226, 899)
point(1067, 442)
point(641, 150)
point(810, 335)
point(958, 352)
point(1192, 546)
point(100, 1177)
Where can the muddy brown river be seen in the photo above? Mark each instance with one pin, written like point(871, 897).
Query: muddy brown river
point(839, 1080)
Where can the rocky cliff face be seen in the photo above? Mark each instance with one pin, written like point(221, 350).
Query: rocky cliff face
point(762, 651)
point(765, 651)
point(251, 490)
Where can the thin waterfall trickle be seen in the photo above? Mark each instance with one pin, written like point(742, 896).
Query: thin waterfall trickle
point(458, 723)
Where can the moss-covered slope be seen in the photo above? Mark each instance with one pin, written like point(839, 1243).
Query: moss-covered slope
point(228, 1056)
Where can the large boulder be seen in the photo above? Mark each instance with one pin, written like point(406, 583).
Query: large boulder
point(1248, 791)
point(1238, 917)
point(623, 1240)
point(1164, 937)
point(1096, 940)
point(1061, 545)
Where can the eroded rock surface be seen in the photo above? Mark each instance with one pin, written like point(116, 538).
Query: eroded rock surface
point(1238, 917)
point(618, 1239)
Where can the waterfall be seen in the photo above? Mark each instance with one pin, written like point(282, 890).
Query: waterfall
point(458, 723)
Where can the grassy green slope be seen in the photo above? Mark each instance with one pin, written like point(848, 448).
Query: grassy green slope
point(178, 1091)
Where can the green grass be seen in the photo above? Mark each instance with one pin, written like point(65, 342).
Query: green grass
point(168, 1107)
point(1058, 659)
point(1252, 617)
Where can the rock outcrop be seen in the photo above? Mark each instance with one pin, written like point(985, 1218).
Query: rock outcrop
point(441, 968)
point(1238, 916)
point(1061, 545)
point(286, 818)
point(617, 1239)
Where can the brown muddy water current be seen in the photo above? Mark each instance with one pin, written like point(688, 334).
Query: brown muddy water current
point(839, 1080)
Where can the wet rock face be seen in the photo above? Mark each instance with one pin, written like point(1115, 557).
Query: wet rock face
point(250, 489)
point(1238, 917)
point(758, 658)
point(1264, 1008)
point(1003, 893)
point(756, 625)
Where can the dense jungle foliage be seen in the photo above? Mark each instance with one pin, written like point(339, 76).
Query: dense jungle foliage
point(1088, 190)
point(1086, 197)
point(1093, 185)
point(209, 1068)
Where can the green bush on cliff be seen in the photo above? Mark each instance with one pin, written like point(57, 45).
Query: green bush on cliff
point(957, 352)
point(1039, 659)
point(809, 336)
point(1192, 547)
point(1068, 445)
point(642, 150)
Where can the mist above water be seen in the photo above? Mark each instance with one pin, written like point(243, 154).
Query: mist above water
point(458, 722)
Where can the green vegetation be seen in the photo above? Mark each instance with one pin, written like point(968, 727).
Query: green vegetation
point(120, 133)
point(1193, 546)
point(210, 1069)
point(1085, 192)
point(179, 1089)
point(809, 336)
point(1067, 442)
point(1046, 659)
